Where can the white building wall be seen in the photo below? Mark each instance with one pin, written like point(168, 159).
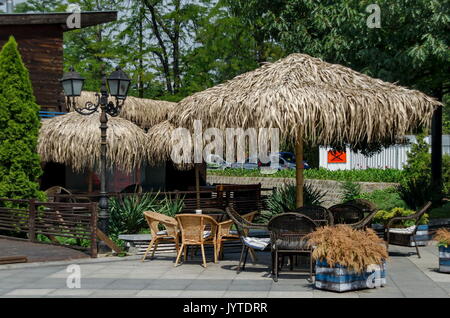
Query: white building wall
point(393, 157)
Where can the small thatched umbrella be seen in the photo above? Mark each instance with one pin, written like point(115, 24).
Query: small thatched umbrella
point(160, 146)
point(310, 100)
point(74, 140)
point(143, 112)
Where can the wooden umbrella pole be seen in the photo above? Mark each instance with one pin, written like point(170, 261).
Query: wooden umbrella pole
point(299, 170)
point(197, 184)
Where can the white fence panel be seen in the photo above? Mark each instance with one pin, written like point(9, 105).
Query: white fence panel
point(394, 157)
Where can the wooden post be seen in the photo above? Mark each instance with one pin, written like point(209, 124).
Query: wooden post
point(436, 152)
point(32, 221)
point(299, 170)
point(93, 209)
point(197, 184)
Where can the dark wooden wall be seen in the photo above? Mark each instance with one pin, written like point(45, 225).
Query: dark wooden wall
point(41, 47)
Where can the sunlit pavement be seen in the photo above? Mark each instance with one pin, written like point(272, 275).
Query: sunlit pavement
point(408, 276)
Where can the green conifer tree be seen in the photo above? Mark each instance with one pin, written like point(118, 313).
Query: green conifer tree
point(19, 127)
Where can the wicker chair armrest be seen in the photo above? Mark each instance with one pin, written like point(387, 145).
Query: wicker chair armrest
point(399, 218)
point(364, 222)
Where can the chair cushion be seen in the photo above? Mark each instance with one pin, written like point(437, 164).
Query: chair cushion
point(163, 232)
point(299, 244)
point(258, 243)
point(206, 234)
point(407, 230)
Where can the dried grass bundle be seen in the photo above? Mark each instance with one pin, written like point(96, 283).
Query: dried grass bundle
point(354, 249)
point(443, 237)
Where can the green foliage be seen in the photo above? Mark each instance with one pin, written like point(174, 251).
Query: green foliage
point(19, 127)
point(283, 199)
point(352, 191)
point(384, 216)
point(416, 186)
point(127, 214)
point(367, 175)
point(385, 199)
point(442, 212)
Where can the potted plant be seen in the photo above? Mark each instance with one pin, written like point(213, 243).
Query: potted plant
point(443, 238)
point(383, 217)
point(348, 259)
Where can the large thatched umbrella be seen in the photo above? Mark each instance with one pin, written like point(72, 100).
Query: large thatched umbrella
point(74, 140)
point(143, 112)
point(310, 100)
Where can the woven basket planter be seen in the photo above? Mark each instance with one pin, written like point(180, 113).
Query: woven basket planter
point(340, 279)
point(444, 259)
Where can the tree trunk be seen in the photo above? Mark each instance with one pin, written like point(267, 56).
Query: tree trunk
point(299, 170)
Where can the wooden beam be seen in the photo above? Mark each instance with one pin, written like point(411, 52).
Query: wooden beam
point(87, 18)
point(102, 236)
point(13, 260)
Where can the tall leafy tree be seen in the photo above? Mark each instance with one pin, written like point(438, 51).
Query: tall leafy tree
point(410, 47)
point(19, 127)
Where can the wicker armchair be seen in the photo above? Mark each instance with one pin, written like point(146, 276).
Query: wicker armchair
point(365, 222)
point(403, 236)
point(248, 243)
point(225, 232)
point(170, 234)
point(365, 205)
point(53, 192)
point(346, 213)
point(319, 214)
point(197, 230)
point(287, 233)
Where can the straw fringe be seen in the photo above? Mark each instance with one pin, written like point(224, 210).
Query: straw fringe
point(74, 139)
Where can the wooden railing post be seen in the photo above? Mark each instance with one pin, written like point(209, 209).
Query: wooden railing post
point(93, 210)
point(32, 221)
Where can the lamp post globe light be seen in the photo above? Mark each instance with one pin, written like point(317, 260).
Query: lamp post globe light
point(118, 84)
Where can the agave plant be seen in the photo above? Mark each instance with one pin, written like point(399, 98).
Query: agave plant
point(284, 199)
point(127, 214)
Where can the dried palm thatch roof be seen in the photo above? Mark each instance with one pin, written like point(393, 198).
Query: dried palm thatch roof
point(160, 145)
point(74, 139)
point(143, 112)
point(327, 103)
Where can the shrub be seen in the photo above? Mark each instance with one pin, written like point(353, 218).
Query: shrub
point(385, 199)
point(354, 249)
point(367, 175)
point(416, 186)
point(352, 191)
point(383, 217)
point(441, 212)
point(284, 199)
point(443, 237)
point(19, 128)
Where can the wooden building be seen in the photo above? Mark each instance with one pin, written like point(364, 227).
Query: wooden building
point(40, 39)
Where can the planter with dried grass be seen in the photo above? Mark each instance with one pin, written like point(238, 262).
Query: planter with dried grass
point(443, 238)
point(348, 259)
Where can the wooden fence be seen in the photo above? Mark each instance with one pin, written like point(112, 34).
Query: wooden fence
point(54, 220)
point(245, 198)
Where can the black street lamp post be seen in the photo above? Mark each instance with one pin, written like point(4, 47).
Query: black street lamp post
point(118, 84)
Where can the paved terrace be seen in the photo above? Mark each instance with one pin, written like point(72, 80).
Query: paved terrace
point(408, 276)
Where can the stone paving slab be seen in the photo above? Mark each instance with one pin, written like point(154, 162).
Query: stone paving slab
point(408, 276)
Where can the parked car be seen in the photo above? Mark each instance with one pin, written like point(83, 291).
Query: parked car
point(290, 157)
point(215, 162)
